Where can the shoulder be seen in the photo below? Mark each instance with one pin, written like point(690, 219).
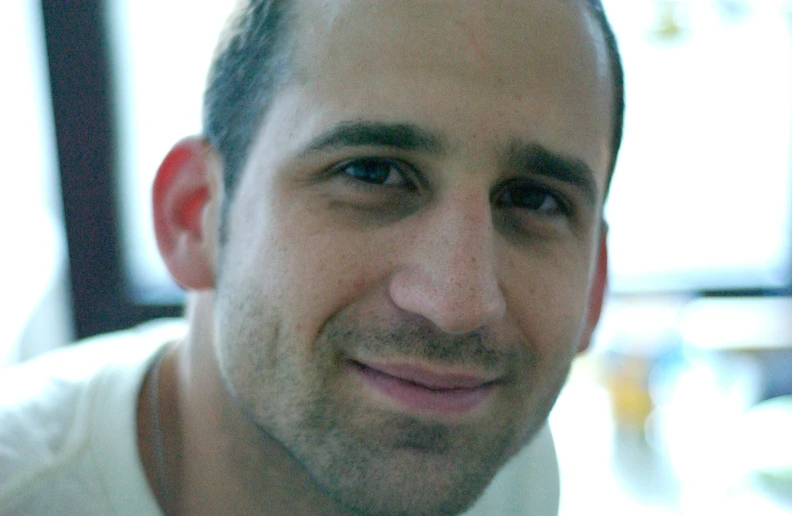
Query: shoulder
point(62, 410)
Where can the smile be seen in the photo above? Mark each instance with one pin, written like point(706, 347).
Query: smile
point(424, 390)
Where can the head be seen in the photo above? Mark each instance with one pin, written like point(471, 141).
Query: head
point(413, 248)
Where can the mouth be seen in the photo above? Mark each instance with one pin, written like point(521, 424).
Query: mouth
point(427, 390)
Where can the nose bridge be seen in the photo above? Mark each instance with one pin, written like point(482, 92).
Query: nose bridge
point(451, 276)
point(464, 242)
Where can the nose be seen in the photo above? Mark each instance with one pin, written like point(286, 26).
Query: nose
point(449, 272)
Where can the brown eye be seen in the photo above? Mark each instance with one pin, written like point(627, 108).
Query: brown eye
point(531, 198)
point(375, 171)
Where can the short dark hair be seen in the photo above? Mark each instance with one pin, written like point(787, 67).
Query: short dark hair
point(252, 61)
point(249, 64)
point(617, 82)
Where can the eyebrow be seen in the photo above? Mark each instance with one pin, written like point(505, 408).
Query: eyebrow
point(405, 137)
point(533, 159)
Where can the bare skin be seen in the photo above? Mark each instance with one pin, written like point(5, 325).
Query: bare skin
point(414, 256)
point(192, 468)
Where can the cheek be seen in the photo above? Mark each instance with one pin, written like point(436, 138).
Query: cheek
point(317, 273)
point(303, 267)
point(548, 300)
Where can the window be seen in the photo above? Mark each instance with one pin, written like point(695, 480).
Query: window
point(701, 197)
point(161, 59)
point(34, 253)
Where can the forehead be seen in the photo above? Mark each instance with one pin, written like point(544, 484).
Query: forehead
point(541, 65)
point(476, 30)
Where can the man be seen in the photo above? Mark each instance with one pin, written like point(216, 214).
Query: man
point(392, 236)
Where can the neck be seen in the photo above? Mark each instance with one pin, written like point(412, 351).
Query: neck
point(216, 460)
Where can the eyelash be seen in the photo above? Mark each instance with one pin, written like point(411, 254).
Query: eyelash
point(562, 205)
point(393, 166)
point(410, 183)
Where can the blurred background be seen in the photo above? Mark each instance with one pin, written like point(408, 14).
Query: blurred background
point(684, 404)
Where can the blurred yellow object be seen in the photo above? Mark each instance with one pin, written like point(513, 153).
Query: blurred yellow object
point(668, 19)
point(631, 403)
point(626, 381)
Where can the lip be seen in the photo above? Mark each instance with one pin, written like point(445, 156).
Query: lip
point(426, 389)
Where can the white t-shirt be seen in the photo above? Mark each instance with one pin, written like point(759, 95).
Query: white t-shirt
point(68, 432)
point(68, 441)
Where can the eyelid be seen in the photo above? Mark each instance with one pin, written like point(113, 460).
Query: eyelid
point(566, 207)
point(408, 172)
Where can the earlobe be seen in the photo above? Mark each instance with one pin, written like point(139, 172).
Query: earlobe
point(186, 196)
point(596, 296)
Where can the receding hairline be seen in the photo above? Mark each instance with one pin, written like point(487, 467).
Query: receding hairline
point(287, 36)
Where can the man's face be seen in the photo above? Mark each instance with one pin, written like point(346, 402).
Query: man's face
point(409, 254)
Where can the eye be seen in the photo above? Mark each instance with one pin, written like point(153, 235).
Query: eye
point(375, 171)
point(541, 200)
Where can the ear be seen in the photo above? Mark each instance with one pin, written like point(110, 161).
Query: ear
point(186, 198)
point(596, 295)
